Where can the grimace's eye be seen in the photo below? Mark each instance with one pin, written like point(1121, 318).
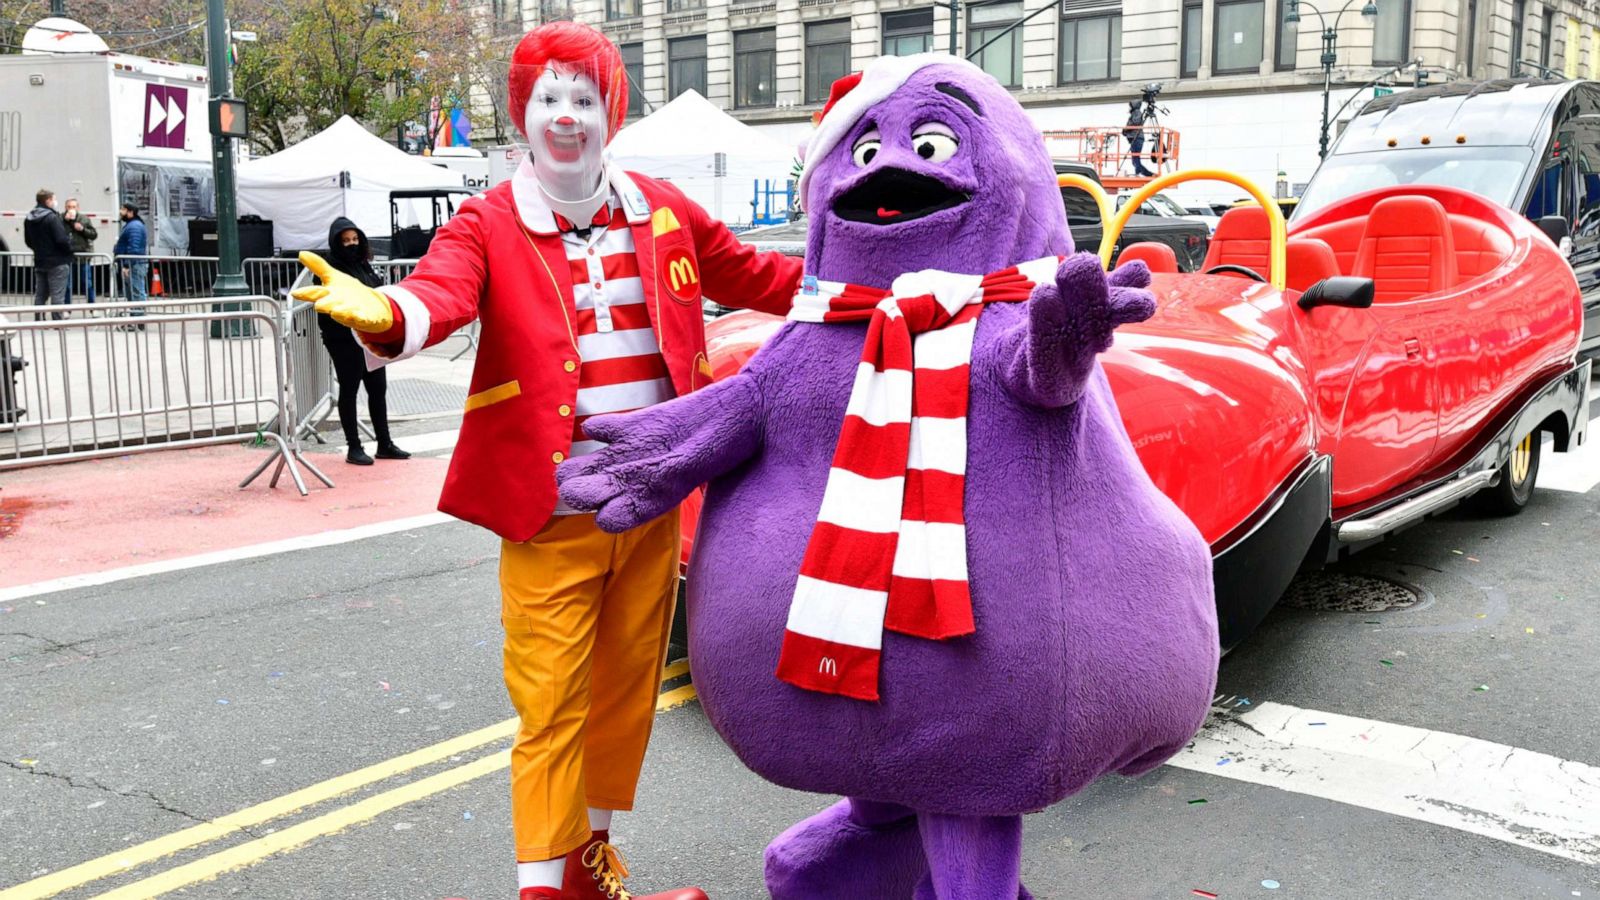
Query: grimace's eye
point(865, 150)
point(935, 146)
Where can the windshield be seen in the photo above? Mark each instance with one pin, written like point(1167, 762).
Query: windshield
point(1493, 172)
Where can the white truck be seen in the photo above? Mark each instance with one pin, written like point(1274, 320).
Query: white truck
point(103, 126)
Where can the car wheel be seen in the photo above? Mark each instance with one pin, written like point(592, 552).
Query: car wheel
point(1514, 488)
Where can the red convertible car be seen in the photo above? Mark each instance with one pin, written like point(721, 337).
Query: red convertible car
point(1308, 393)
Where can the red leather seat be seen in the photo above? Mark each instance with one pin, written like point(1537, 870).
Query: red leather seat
point(1407, 249)
point(1308, 261)
point(1344, 237)
point(1243, 238)
point(1158, 256)
point(1480, 246)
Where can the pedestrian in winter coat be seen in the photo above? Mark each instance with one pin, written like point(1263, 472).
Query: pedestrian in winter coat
point(350, 253)
point(83, 234)
point(133, 241)
point(45, 233)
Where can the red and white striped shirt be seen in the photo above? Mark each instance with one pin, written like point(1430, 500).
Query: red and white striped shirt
point(621, 366)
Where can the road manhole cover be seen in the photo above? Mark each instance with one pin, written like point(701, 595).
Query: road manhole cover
point(1349, 592)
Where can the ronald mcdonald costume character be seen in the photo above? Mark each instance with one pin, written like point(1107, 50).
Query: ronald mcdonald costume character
point(931, 574)
point(588, 283)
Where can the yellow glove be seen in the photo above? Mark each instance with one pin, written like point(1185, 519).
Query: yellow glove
point(346, 299)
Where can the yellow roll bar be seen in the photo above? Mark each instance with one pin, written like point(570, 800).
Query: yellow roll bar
point(1280, 229)
point(1092, 188)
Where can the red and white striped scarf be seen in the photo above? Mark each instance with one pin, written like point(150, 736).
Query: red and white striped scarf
point(890, 546)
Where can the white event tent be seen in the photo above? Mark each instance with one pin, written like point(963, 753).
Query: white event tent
point(679, 143)
point(344, 170)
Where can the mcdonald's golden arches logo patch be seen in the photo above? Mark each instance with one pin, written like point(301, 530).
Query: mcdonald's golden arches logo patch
point(680, 276)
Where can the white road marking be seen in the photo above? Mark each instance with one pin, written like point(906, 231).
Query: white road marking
point(1517, 796)
point(232, 554)
point(427, 442)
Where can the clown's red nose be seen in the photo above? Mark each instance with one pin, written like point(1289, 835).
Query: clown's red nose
point(566, 121)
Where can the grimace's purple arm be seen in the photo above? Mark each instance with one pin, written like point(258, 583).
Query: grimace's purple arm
point(655, 457)
point(1047, 358)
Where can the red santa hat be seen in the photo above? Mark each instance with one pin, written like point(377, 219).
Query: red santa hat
point(856, 93)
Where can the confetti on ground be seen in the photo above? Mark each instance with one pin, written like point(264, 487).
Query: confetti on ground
point(1315, 724)
point(1197, 802)
point(28, 762)
point(1528, 630)
point(222, 703)
point(1473, 559)
point(403, 826)
point(1481, 687)
point(1199, 893)
point(1458, 552)
point(1224, 761)
point(384, 685)
point(275, 675)
point(1373, 622)
point(1386, 662)
point(1483, 615)
point(269, 761)
point(1243, 701)
point(1270, 885)
point(467, 816)
point(480, 643)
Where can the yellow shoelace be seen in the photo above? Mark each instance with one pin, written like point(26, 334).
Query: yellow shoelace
point(606, 865)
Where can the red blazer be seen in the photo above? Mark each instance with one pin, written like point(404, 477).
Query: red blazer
point(497, 261)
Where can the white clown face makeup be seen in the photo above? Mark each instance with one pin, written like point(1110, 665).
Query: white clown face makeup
point(566, 129)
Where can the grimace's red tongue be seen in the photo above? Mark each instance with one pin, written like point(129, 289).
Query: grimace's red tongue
point(887, 213)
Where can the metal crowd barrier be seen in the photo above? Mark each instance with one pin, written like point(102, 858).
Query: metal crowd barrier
point(86, 388)
point(88, 269)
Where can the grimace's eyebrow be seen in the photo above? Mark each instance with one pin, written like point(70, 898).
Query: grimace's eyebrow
point(945, 87)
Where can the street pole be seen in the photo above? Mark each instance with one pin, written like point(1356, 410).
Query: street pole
point(58, 8)
point(955, 15)
point(230, 276)
point(1330, 40)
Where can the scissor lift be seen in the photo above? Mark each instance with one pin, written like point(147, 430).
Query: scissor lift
point(1106, 151)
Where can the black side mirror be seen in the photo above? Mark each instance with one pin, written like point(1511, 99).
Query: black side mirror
point(1341, 290)
point(1555, 228)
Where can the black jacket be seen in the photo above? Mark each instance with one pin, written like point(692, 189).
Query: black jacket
point(45, 233)
point(356, 264)
point(82, 241)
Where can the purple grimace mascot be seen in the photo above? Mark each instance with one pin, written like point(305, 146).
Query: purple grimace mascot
point(937, 582)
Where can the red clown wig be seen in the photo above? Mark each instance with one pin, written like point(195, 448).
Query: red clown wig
point(574, 46)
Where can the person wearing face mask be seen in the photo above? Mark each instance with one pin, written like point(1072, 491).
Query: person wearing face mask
point(83, 234)
point(351, 255)
point(45, 233)
point(588, 283)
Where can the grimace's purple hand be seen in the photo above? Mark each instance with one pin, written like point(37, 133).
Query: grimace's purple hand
point(1070, 322)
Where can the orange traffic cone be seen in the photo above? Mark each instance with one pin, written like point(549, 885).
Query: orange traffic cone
point(155, 281)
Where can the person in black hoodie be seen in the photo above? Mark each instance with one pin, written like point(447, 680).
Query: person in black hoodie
point(350, 253)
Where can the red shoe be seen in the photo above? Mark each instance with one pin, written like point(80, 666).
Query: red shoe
point(596, 870)
point(539, 893)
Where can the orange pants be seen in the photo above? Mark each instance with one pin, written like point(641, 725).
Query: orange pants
point(587, 615)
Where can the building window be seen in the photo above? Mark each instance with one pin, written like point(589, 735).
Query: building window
point(686, 65)
point(1091, 48)
point(1390, 39)
point(827, 57)
point(1238, 33)
point(633, 67)
point(681, 5)
point(1288, 39)
point(1002, 58)
point(622, 9)
point(755, 68)
point(1547, 38)
point(905, 33)
point(1193, 18)
point(1519, 11)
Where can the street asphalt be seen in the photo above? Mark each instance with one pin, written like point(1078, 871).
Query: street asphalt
point(147, 706)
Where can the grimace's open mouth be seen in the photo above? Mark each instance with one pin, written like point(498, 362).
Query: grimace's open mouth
point(891, 195)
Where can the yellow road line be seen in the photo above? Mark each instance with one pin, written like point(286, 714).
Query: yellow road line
point(254, 851)
point(110, 864)
point(675, 698)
